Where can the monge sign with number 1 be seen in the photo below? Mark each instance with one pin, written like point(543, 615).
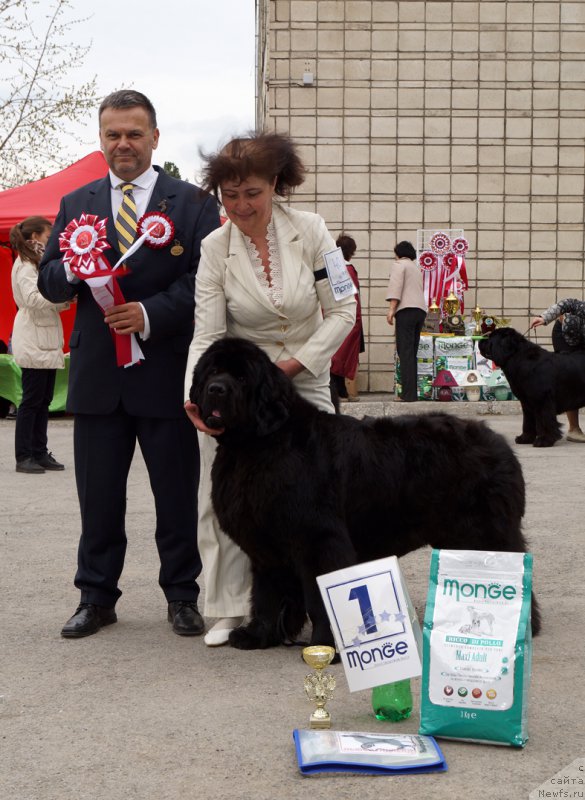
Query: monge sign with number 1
point(373, 621)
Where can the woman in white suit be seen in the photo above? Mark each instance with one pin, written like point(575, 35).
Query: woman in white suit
point(261, 277)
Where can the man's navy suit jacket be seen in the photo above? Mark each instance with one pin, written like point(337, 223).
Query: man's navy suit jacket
point(164, 283)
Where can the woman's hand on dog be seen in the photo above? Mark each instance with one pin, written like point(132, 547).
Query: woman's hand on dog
point(290, 367)
point(195, 417)
point(536, 321)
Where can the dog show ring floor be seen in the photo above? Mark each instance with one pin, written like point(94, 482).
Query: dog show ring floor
point(138, 713)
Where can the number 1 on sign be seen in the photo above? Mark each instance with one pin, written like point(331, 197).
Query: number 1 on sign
point(361, 594)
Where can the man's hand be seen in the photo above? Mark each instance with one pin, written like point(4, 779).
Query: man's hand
point(390, 317)
point(195, 417)
point(127, 318)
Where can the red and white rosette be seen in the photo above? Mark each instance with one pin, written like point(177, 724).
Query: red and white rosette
point(428, 262)
point(450, 261)
point(440, 243)
point(460, 246)
point(157, 229)
point(454, 277)
point(448, 273)
point(82, 243)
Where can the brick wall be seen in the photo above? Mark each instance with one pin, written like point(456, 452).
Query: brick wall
point(440, 114)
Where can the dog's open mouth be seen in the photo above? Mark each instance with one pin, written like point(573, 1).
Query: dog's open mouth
point(214, 420)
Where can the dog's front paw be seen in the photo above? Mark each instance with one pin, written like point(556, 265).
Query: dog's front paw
point(524, 438)
point(543, 441)
point(242, 639)
point(254, 636)
point(322, 636)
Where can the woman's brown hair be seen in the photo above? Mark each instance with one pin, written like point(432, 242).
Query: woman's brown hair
point(20, 236)
point(348, 246)
point(267, 155)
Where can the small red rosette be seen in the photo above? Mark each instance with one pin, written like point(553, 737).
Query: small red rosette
point(450, 261)
point(82, 243)
point(159, 229)
point(460, 246)
point(427, 261)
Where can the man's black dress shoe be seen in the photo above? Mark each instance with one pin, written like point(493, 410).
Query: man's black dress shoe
point(186, 619)
point(48, 461)
point(88, 619)
point(29, 466)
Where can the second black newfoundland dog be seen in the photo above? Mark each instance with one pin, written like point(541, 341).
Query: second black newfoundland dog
point(304, 492)
point(545, 383)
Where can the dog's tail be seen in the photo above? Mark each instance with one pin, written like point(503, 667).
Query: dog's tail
point(536, 617)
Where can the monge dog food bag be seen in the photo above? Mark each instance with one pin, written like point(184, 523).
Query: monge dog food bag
point(477, 646)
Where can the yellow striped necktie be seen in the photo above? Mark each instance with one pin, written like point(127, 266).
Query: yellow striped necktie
point(126, 221)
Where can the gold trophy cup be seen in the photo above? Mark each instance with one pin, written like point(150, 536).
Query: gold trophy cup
point(476, 315)
point(319, 685)
point(451, 304)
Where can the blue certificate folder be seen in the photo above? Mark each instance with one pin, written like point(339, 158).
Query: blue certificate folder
point(367, 753)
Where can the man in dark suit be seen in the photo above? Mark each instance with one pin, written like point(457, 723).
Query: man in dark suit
point(115, 406)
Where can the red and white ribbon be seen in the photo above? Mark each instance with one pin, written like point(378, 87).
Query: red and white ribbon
point(107, 293)
point(429, 264)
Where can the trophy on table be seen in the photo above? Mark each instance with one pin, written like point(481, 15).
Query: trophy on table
point(453, 321)
point(451, 304)
point(477, 315)
point(432, 323)
point(319, 685)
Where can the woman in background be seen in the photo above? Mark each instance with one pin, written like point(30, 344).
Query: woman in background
point(345, 362)
point(568, 335)
point(408, 307)
point(37, 347)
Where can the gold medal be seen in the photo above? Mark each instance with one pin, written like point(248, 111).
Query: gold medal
point(177, 249)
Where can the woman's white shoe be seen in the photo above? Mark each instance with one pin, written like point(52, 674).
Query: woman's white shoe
point(218, 635)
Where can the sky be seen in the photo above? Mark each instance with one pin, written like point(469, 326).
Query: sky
point(194, 59)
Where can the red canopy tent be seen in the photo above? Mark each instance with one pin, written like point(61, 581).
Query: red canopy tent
point(39, 198)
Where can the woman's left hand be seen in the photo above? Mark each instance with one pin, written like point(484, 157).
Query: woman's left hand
point(195, 417)
point(290, 367)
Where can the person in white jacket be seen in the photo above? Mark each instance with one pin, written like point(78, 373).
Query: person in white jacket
point(262, 277)
point(37, 347)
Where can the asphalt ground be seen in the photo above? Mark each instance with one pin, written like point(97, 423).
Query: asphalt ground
point(138, 712)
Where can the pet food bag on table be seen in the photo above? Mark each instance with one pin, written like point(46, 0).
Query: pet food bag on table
point(424, 369)
point(477, 646)
point(454, 353)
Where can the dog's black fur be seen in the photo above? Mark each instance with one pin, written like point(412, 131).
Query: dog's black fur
point(545, 383)
point(304, 492)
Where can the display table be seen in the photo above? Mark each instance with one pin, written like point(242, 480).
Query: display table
point(11, 385)
point(457, 354)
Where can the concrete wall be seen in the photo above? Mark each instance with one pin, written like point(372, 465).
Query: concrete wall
point(440, 115)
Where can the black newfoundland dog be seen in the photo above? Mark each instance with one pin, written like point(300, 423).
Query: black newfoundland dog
point(304, 492)
point(545, 383)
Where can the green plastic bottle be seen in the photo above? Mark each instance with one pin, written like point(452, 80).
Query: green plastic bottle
point(392, 701)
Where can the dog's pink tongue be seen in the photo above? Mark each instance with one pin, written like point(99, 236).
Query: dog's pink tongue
point(215, 414)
